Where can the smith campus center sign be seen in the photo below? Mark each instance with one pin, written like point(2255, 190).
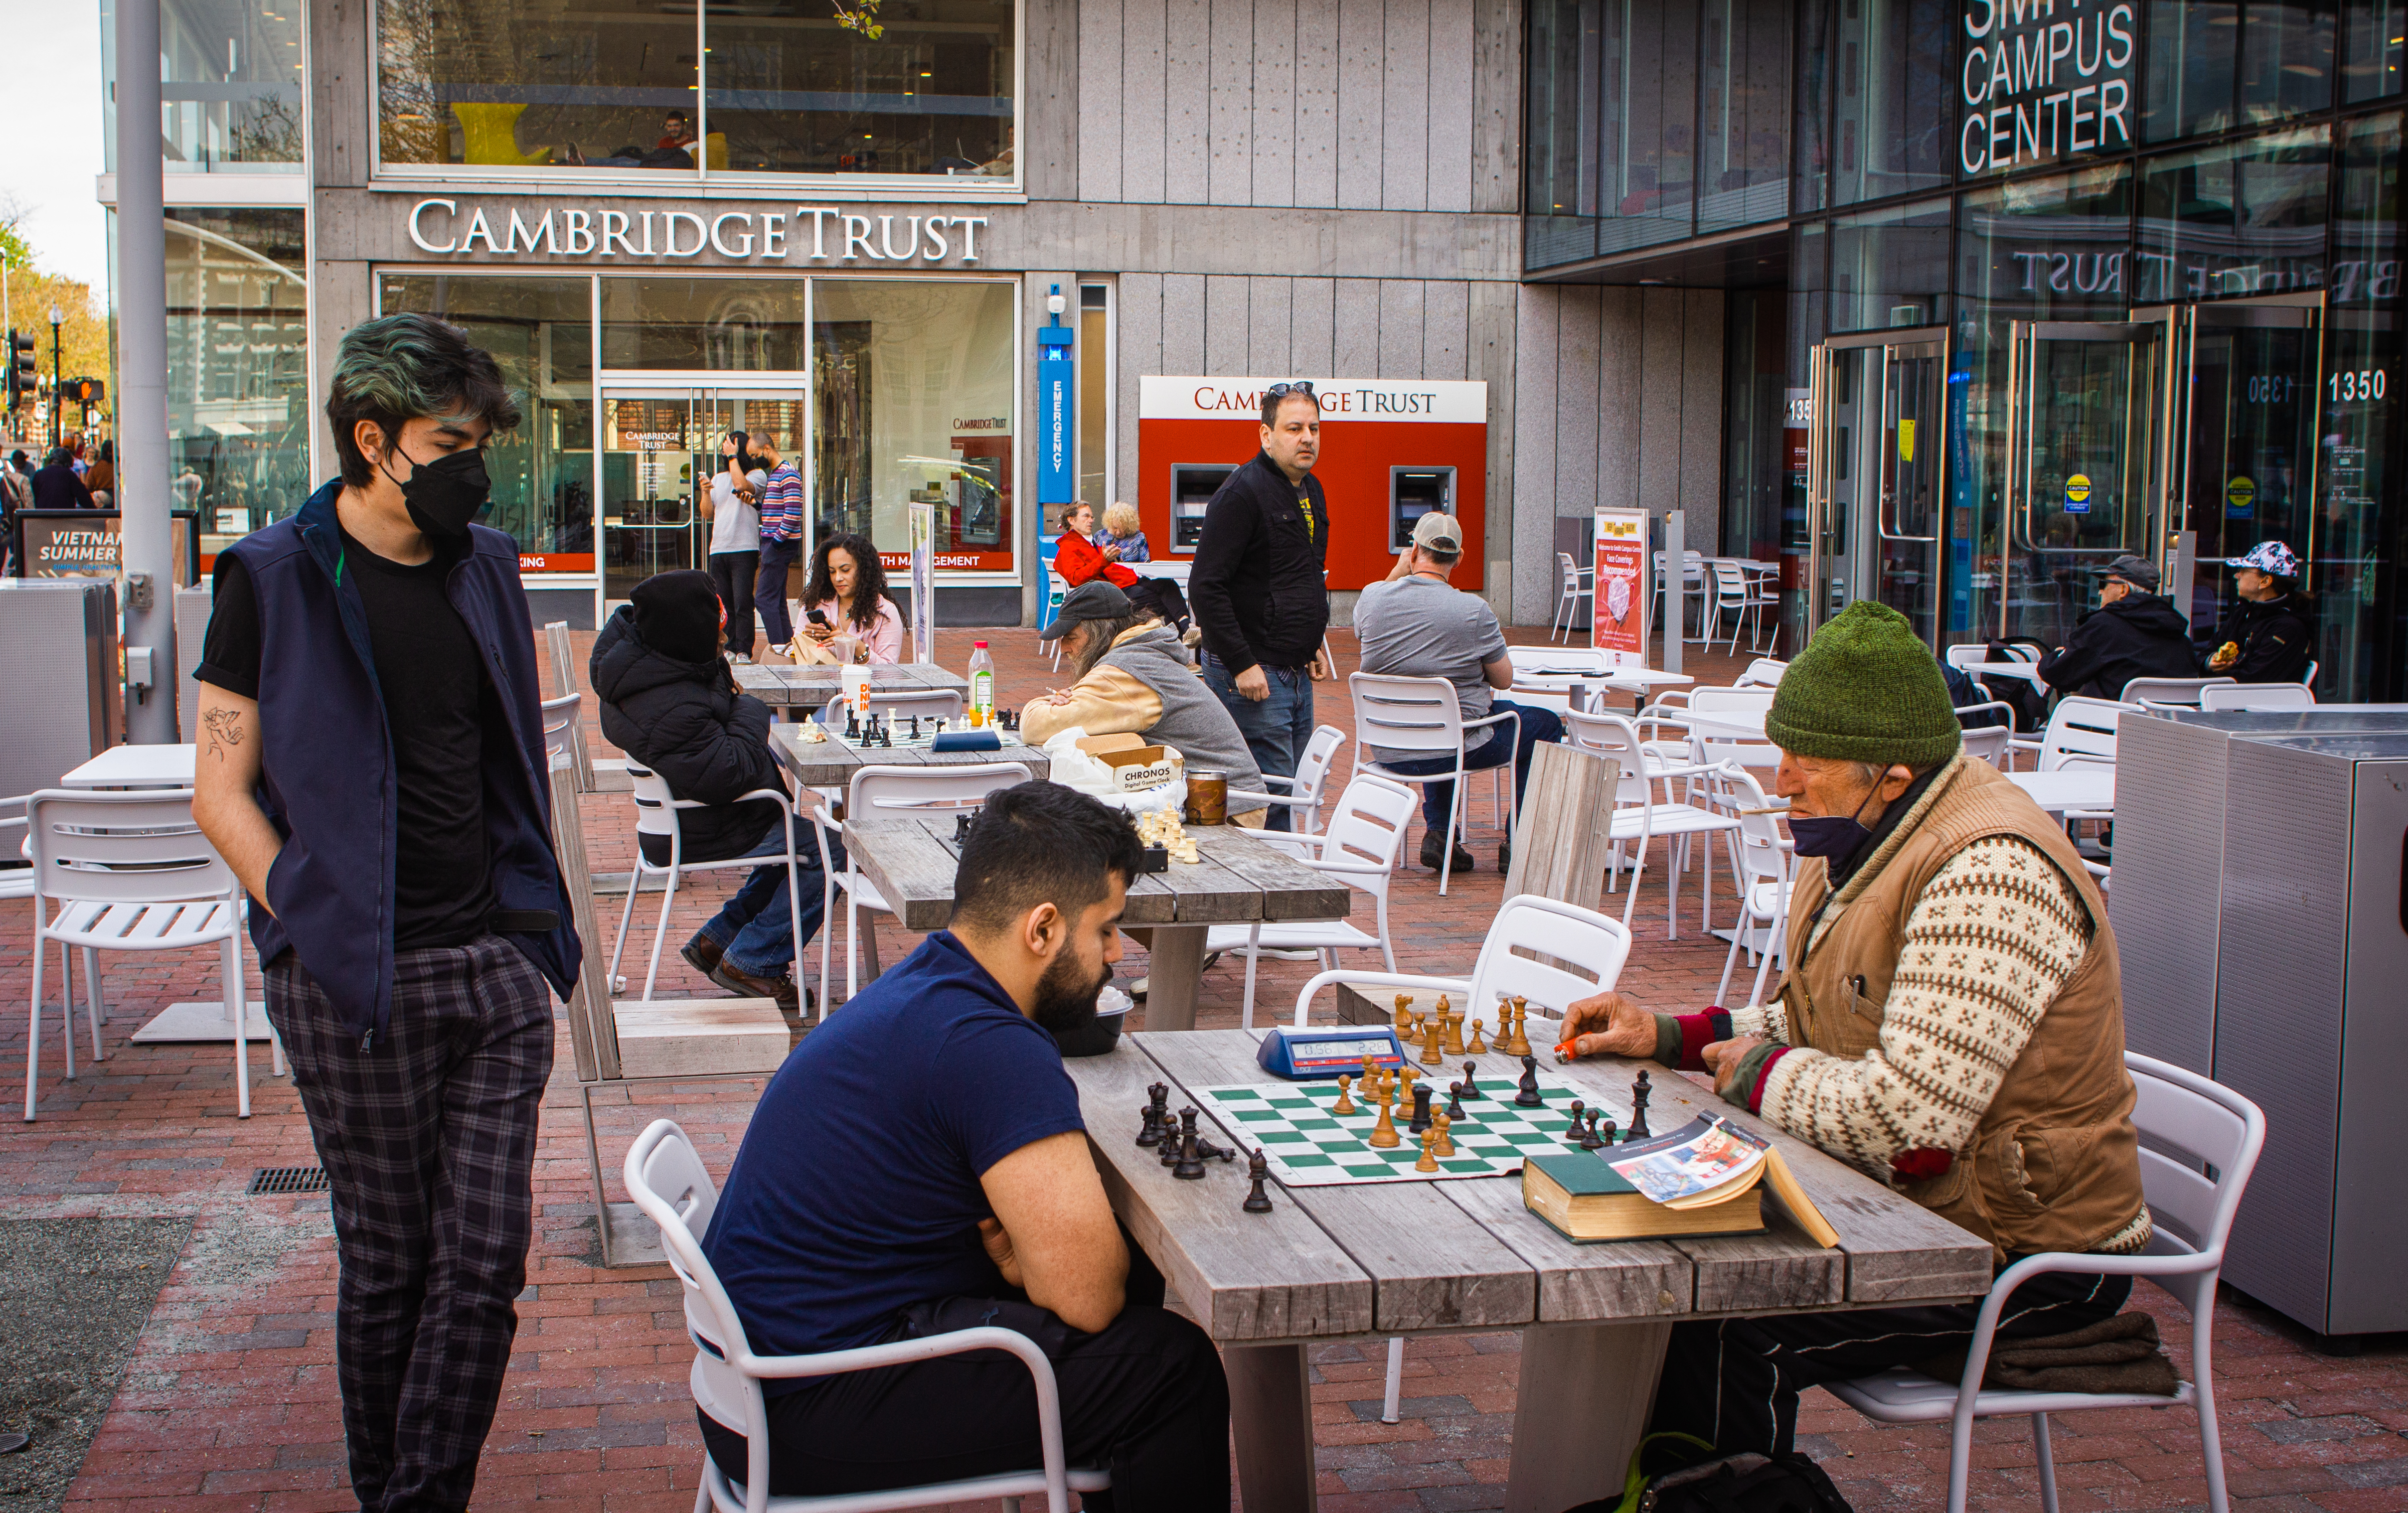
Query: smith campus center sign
point(2045, 80)
point(811, 234)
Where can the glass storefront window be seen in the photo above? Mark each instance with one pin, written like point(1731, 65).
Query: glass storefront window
point(2242, 218)
point(1095, 396)
point(1743, 106)
point(1889, 267)
point(230, 80)
point(1646, 149)
point(2036, 248)
point(2375, 30)
point(238, 369)
point(1810, 120)
point(2353, 564)
point(2214, 65)
point(540, 331)
point(1894, 81)
point(616, 84)
point(728, 325)
point(914, 398)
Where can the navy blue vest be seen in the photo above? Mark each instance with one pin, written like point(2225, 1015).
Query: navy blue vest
point(327, 765)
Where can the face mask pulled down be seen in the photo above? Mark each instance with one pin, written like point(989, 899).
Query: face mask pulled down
point(1831, 834)
point(444, 495)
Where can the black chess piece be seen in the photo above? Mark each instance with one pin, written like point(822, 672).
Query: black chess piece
point(1580, 1113)
point(1176, 1140)
point(1190, 1166)
point(1156, 1116)
point(1149, 1130)
point(1591, 1140)
point(1455, 1102)
point(852, 724)
point(1640, 1091)
point(1257, 1171)
point(1470, 1089)
point(915, 727)
point(1421, 1108)
point(1528, 1097)
point(961, 828)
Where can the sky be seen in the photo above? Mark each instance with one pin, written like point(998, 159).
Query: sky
point(50, 154)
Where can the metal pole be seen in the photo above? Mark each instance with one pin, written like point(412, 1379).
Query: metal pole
point(145, 539)
point(55, 372)
point(1676, 587)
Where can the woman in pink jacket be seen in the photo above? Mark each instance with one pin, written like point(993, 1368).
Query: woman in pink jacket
point(847, 596)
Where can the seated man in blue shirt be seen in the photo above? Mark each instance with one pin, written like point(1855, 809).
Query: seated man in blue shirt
point(918, 1165)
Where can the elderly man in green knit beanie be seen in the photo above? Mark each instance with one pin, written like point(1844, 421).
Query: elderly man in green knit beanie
point(1950, 1020)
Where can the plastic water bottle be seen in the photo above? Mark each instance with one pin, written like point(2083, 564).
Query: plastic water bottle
point(982, 684)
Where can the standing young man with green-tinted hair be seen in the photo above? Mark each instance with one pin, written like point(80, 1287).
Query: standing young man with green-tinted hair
point(372, 766)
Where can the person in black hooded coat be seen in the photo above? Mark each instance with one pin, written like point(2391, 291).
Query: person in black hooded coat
point(669, 702)
point(2134, 633)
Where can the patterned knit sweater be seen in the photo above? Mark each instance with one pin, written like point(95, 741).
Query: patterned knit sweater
point(1994, 937)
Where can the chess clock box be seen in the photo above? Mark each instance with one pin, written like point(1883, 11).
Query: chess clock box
point(1136, 765)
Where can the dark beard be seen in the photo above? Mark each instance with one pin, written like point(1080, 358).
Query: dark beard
point(1066, 1003)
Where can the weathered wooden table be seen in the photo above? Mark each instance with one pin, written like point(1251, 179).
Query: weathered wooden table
point(1237, 880)
point(793, 687)
point(1362, 1261)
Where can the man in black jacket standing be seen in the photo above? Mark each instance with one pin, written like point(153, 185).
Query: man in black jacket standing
point(669, 702)
point(2133, 634)
point(2265, 636)
point(1257, 588)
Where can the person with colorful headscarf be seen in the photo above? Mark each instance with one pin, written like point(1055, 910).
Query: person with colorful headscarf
point(2266, 635)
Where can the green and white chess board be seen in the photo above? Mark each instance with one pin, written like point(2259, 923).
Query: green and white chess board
point(1308, 1145)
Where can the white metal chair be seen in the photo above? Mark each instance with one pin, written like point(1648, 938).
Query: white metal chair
point(1639, 818)
point(923, 703)
point(1764, 672)
point(2077, 727)
point(1763, 869)
point(666, 1178)
point(1365, 834)
point(1990, 744)
point(2199, 1142)
point(2257, 696)
point(2174, 692)
point(131, 871)
point(1421, 714)
point(1302, 799)
point(18, 882)
point(1736, 596)
point(1579, 583)
point(560, 716)
point(1965, 655)
point(886, 792)
point(660, 849)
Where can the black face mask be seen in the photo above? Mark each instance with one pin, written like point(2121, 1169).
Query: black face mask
point(444, 495)
point(1830, 835)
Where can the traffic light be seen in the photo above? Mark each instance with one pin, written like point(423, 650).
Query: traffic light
point(84, 392)
point(23, 375)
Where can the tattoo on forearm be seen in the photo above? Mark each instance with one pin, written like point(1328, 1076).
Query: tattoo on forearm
point(225, 730)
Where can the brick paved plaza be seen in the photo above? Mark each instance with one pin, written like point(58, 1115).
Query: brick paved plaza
point(229, 1399)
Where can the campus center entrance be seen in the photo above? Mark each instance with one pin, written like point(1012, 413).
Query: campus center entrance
point(1982, 491)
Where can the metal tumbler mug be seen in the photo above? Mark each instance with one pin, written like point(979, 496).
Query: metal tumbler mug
point(1208, 797)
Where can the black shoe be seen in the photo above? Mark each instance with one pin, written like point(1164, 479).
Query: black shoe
point(701, 954)
point(1504, 859)
point(1431, 854)
point(780, 988)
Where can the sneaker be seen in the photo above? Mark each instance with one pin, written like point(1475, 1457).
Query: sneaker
point(1432, 854)
point(780, 988)
point(701, 954)
point(1504, 857)
point(741, 659)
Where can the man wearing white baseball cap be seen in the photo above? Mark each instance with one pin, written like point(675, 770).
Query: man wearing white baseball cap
point(1413, 625)
point(2265, 636)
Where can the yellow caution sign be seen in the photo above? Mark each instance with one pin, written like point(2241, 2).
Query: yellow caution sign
point(2077, 494)
point(1906, 441)
point(2240, 495)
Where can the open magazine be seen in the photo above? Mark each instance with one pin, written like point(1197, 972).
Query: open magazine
point(1709, 1161)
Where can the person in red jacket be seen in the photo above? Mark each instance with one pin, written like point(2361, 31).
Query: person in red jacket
point(1078, 559)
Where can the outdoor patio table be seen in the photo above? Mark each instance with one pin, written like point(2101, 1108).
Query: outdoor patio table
point(134, 766)
point(1363, 1262)
point(792, 686)
point(1730, 724)
point(2090, 789)
point(831, 762)
point(1238, 880)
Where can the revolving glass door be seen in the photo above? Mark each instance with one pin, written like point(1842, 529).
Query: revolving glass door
point(660, 450)
point(1877, 470)
point(2249, 452)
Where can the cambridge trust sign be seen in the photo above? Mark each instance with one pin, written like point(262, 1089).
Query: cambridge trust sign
point(811, 234)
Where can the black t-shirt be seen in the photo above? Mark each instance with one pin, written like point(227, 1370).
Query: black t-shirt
point(441, 710)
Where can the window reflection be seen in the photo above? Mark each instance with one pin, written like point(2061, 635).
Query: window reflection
point(732, 325)
point(2243, 218)
point(1889, 267)
point(2214, 65)
point(238, 383)
point(230, 85)
point(1894, 82)
point(2376, 31)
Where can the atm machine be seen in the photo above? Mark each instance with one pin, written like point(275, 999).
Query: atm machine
point(1412, 492)
point(1192, 487)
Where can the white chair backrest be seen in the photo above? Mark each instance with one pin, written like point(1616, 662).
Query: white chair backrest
point(1571, 569)
point(897, 792)
point(2182, 691)
point(1764, 672)
point(1736, 792)
point(2081, 727)
point(927, 703)
point(668, 1180)
point(2257, 696)
point(1590, 945)
point(560, 716)
point(1988, 743)
point(1312, 767)
point(1368, 826)
point(130, 848)
point(1407, 714)
point(1729, 582)
point(1704, 699)
point(655, 805)
point(1617, 737)
point(2017, 651)
point(2186, 1123)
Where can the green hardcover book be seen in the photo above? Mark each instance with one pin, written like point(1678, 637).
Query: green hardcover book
point(1589, 1201)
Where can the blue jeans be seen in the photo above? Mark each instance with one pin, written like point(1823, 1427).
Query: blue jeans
point(1538, 724)
point(769, 589)
point(752, 930)
point(1276, 729)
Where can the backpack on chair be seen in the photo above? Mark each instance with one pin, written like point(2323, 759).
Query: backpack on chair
point(1743, 1483)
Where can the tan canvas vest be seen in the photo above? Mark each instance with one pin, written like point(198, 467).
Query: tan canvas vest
point(2055, 1162)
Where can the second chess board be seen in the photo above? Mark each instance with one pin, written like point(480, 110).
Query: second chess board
point(1308, 1145)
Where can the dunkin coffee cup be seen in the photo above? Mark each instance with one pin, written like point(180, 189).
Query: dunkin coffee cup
point(1208, 797)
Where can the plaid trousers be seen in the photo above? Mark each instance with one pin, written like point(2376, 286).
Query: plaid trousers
point(428, 1142)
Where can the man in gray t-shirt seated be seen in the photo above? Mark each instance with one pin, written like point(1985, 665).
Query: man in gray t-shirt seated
point(1413, 625)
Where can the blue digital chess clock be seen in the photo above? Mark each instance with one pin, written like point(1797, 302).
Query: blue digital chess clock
point(1301, 1055)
